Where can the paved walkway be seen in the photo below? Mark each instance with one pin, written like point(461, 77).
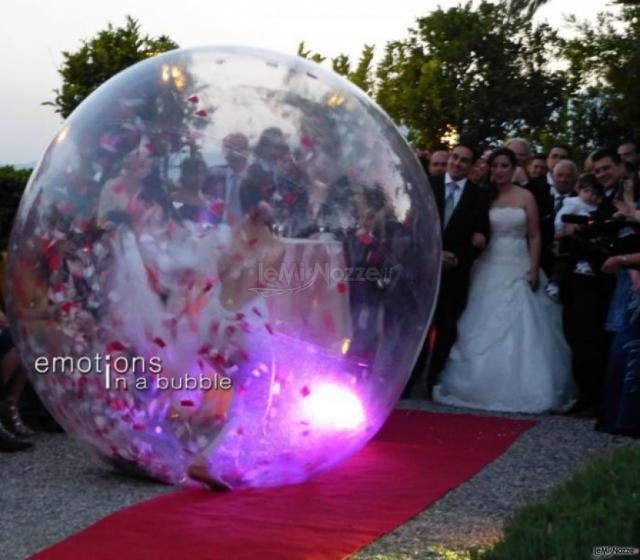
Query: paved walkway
point(59, 487)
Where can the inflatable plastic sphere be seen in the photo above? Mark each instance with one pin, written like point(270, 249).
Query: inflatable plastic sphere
point(227, 259)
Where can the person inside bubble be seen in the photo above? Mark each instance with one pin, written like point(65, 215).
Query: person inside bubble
point(222, 187)
point(270, 161)
point(240, 314)
point(370, 251)
point(189, 201)
point(136, 197)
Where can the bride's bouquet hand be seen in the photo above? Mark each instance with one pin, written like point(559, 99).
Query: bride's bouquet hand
point(534, 281)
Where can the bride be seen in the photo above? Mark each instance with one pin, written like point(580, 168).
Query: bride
point(511, 354)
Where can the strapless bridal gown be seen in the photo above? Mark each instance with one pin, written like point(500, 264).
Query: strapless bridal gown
point(511, 354)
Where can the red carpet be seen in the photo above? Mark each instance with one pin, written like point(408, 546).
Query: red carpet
point(415, 459)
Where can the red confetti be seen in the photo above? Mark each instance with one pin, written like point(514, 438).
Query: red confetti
point(152, 277)
point(252, 242)
point(117, 405)
point(307, 143)
point(67, 306)
point(186, 402)
point(138, 427)
point(48, 246)
point(366, 239)
point(289, 199)
point(159, 342)
point(217, 207)
point(342, 287)
point(328, 323)
point(240, 431)
point(305, 391)
point(115, 346)
point(219, 360)
point(374, 258)
point(201, 113)
point(208, 286)
point(54, 262)
point(193, 99)
point(230, 330)
point(257, 312)
point(239, 316)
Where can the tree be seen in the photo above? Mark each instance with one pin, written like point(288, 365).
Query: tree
point(472, 70)
point(316, 57)
point(530, 7)
point(103, 56)
point(12, 184)
point(362, 75)
point(604, 73)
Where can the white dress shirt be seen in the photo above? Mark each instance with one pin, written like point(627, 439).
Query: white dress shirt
point(550, 180)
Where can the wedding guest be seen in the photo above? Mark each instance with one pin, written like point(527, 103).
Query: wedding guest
point(14, 434)
point(438, 163)
point(608, 170)
point(557, 153)
point(620, 412)
point(538, 165)
point(628, 151)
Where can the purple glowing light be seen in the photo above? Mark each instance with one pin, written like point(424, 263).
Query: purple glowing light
point(332, 406)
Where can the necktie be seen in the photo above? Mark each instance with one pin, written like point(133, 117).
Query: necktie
point(559, 203)
point(450, 202)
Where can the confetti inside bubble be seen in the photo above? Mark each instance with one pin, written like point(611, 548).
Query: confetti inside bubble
point(214, 224)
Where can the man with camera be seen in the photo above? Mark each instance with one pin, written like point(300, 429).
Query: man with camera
point(586, 290)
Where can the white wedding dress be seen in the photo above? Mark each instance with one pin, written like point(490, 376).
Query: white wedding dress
point(511, 354)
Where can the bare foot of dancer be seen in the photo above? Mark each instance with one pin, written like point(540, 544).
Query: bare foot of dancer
point(200, 473)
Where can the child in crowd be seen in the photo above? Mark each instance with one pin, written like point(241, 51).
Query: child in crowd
point(590, 194)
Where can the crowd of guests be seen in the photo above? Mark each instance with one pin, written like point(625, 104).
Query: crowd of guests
point(584, 243)
point(537, 312)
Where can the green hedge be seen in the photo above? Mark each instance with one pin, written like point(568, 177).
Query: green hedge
point(12, 184)
point(599, 506)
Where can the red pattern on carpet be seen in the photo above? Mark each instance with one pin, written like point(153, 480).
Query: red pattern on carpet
point(415, 459)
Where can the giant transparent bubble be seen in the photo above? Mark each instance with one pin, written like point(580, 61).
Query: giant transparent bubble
point(225, 258)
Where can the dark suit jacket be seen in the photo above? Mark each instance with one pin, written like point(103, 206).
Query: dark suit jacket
point(541, 191)
point(471, 215)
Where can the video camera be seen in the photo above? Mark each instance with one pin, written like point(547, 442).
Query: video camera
point(596, 239)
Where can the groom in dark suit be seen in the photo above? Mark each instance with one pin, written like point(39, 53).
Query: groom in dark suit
point(464, 215)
